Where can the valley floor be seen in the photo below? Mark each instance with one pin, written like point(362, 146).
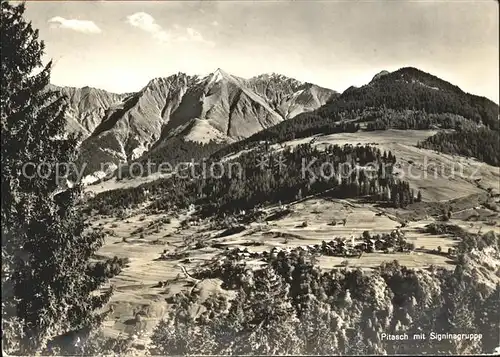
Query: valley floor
point(138, 286)
point(147, 281)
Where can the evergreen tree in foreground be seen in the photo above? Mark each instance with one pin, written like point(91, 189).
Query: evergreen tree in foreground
point(48, 282)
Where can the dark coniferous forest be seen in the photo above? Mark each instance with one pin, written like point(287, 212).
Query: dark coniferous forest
point(174, 152)
point(482, 144)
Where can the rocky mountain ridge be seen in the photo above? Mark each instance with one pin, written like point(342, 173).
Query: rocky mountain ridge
point(219, 107)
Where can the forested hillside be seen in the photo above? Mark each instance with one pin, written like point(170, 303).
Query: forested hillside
point(262, 177)
point(410, 88)
point(482, 144)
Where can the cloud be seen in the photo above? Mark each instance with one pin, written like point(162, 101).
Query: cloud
point(147, 23)
point(84, 26)
point(215, 23)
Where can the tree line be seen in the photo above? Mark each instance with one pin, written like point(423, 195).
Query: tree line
point(405, 99)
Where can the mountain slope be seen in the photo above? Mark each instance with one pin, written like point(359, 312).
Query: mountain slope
point(131, 128)
point(288, 96)
point(228, 106)
point(86, 107)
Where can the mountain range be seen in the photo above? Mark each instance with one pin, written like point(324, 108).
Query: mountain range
point(183, 113)
point(219, 107)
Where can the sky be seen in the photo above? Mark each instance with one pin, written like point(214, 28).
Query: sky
point(121, 45)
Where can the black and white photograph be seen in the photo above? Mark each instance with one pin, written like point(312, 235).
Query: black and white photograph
point(250, 177)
